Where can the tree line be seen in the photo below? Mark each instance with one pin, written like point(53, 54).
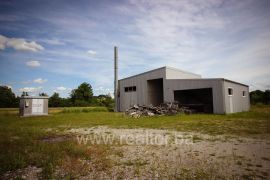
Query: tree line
point(260, 97)
point(82, 96)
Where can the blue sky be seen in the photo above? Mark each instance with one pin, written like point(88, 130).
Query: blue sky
point(53, 46)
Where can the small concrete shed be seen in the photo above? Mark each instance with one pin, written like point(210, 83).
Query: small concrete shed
point(34, 105)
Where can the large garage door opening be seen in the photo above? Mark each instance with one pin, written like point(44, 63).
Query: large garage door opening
point(155, 91)
point(201, 100)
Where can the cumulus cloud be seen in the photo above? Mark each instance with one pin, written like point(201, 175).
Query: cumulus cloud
point(30, 89)
point(91, 52)
point(53, 41)
point(33, 63)
point(61, 88)
point(40, 80)
point(102, 90)
point(19, 44)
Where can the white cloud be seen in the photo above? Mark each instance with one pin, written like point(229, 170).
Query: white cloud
point(61, 88)
point(33, 63)
point(40, 80)
point(102, 90)
point(19, 44)
point(91, 53)
point(53, 41)
point(30, 89)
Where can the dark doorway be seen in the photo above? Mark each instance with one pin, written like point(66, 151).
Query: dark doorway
point(155, 91)
point(201, 100)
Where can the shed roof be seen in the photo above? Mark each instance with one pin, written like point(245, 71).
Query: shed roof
point(158, 69)
point(34, 97)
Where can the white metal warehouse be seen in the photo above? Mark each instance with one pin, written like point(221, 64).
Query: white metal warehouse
point(167, 84)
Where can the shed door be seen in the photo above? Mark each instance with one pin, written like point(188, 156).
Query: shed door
point(37, 106)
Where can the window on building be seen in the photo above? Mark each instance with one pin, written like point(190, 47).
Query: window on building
point(244, 93)
point(230, 91)
point(130, 89)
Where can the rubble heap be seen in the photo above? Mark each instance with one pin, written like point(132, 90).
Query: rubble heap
point(171, 108)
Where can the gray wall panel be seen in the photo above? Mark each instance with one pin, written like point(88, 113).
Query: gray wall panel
point(182, 84)
point(174, 79)
point(139, 97)
point(236, 102)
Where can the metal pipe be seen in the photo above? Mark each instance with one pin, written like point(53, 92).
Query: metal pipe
point(115, 79)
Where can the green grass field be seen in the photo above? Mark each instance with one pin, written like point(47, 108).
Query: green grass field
point(21, 142)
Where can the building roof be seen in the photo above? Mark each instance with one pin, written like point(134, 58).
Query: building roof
point(172, 68)
point(168, 67)
point(164, 67)
point(34, 97)
point(235, 82)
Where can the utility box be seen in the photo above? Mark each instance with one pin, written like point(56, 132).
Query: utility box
point(34, 106)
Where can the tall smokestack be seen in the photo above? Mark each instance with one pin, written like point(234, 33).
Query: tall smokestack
point(116, 79)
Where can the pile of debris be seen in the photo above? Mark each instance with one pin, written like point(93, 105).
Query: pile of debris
point(163, 109)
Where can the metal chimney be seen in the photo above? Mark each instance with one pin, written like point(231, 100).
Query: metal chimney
point(116, 79)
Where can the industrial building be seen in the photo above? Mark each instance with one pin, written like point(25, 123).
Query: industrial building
point(167, 84)
point(33, 106)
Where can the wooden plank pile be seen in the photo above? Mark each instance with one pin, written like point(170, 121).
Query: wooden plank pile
point(171, 108)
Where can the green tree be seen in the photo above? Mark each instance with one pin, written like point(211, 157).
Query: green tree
point(105, 100)
point(7, 97)
point(257, 97)
point(83, 95)
point(55, 100)
point(43, 94)
point(24, 94)
point(267, 97)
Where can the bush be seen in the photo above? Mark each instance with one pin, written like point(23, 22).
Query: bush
point(84, 109)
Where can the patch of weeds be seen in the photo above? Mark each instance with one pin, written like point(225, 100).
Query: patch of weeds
point(247, 177)
point(258, 165)
point(222, 157)
point(48, 170)
point(136, 162)
point(196, 138)
point(264, 173)
point(84, 109)
point(239, 163)
point(265, 158)
point(73, 168)
point(248, 169)
point(213, 139)
point(119, 153)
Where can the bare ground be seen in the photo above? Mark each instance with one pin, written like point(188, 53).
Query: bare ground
point(194, 156)
point(135, 153)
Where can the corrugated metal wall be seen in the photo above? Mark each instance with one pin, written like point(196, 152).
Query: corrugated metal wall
point(221, 101)
point(139, 97)
point(183, 84)
point(236, 102)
